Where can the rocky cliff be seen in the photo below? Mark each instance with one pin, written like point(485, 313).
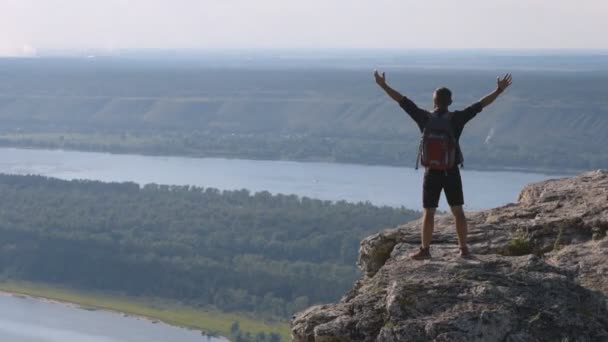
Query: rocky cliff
point(539, 273)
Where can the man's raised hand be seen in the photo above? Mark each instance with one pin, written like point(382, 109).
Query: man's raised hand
point(380, 78)
point(392, 93)
point(504, 83)
point(501, 85)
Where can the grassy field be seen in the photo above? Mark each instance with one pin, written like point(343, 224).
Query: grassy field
point(211, 321)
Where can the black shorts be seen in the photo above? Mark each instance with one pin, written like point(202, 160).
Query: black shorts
point(437, 180)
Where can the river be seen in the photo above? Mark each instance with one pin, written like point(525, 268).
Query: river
point(25, 319)
point(381, 185)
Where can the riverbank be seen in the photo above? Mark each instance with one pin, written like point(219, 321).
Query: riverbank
point(208, 321)
point(164, 147)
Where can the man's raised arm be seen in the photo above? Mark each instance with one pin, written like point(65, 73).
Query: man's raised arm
point(381, 81)
point(501, 85)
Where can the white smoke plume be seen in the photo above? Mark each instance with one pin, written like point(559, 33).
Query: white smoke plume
point(490, 136)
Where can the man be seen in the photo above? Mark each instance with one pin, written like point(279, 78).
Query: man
point(447, 180)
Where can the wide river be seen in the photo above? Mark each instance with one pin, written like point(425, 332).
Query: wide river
point(381, 185)
point(31, 320)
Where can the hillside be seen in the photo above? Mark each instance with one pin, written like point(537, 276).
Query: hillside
point(538, 274)
point(549, 119)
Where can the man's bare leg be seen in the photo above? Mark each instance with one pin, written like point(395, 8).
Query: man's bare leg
point(461, 229)
point(428, 225)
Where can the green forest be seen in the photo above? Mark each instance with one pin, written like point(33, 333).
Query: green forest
point(232, 250)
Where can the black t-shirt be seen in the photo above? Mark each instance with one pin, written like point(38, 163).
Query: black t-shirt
point(459, 117)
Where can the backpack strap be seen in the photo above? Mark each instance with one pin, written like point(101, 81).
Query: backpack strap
point(459, 155)
point(419, 154)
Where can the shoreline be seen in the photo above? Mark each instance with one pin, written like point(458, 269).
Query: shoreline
point(149, 319)
point(170, 314)
point(533, 170)
point(101, 309)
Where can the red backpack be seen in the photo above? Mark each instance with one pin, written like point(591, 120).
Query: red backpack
point(438, 147)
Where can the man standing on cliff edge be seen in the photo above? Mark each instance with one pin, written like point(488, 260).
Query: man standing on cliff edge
point(440, 154)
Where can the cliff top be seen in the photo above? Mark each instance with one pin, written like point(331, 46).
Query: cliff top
point(539, 274)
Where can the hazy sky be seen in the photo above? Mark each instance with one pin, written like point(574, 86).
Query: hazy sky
point(30, 25)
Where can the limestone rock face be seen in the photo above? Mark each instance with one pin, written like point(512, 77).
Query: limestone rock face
point(540, 273)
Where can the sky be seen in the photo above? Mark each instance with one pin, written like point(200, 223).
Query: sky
point(28, 27)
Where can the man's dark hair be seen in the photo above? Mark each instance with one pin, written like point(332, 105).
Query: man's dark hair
point(443, 97)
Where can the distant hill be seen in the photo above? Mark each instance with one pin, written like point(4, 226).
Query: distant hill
point(549, 119)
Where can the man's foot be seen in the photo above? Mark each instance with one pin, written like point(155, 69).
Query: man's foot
point(464, 252)
point(422, 254)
